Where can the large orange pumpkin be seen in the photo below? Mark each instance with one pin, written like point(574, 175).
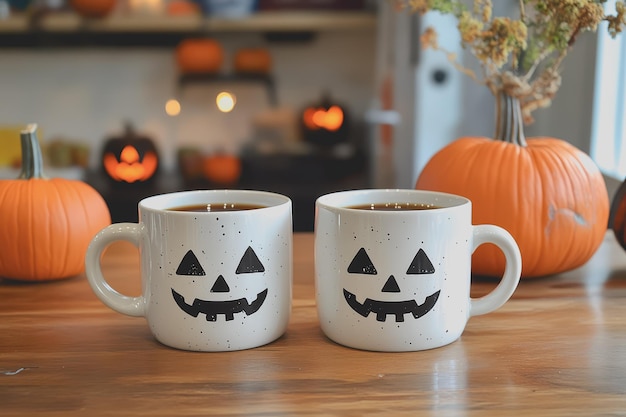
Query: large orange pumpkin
point(548, 194)
point(47, 224)
point(199, 56)
point(93, 8)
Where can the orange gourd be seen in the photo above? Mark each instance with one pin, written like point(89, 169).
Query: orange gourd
point(47, 224)
point(182, 8)
point(253, 61)
point(548, 194)
point(199, 56)
point(222, 169)
point(93, 8)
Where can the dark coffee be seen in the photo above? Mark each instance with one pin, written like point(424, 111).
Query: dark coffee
point(213, 207)
point(395, 206)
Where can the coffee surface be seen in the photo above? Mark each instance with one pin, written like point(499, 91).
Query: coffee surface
point(394, 206)
point(212, 207)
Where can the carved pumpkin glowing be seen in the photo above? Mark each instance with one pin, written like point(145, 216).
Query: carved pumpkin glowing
point(330, 119)
point(130, 158)
point(325, 123)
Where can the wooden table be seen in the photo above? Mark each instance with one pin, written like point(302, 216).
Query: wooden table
point(558, 348)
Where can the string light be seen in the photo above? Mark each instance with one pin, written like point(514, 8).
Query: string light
point(172, 107)
point(225, 102)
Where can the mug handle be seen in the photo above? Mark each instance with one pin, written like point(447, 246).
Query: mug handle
point(131, 232)
point(486, 233)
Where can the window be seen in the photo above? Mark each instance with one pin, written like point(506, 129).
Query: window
point(608, 140)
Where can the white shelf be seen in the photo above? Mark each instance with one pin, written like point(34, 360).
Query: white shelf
point(259, 22)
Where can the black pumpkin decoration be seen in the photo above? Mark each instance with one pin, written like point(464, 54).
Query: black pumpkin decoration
point(325, 123)
point(130, 158)
point(617, 218)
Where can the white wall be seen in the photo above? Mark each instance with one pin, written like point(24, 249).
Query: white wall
point(570, 115)
point(87, 94)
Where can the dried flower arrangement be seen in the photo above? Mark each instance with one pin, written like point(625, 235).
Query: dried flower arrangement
point(547, 193)
point(521, 57)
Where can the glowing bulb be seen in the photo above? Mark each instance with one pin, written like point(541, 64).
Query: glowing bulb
point(172, 107)
point(225, 102)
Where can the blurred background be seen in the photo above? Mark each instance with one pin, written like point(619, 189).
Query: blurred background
point(301, 97)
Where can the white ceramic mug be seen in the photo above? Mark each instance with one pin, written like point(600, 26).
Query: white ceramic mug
point(212, 280)
point(400, 280)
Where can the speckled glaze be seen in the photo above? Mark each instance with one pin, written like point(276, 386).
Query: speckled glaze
point(400, 280)
point(212, 281)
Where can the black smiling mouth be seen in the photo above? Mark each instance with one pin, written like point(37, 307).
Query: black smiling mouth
point(396, 308)
point(213, 308)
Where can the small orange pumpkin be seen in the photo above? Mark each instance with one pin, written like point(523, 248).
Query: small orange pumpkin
point(222, 168)
point(548, 194)
point(199, 56)
point(182, 8)
point(93, 8)
point(253, 61)
point(47, 224)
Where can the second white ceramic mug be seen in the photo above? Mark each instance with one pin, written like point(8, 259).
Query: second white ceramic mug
point(400, 280)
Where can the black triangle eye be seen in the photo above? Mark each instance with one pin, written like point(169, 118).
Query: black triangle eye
point(421, 264)
point(362, 264)
point(249, 263)
point(190, 265)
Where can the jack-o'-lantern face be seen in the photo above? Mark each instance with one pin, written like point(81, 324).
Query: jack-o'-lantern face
point(130, 167)
point(321, 118)
point(130, 158)
point(249, 264)
point(326, 123)
point(420, 265)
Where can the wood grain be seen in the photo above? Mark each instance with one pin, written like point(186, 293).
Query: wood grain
point(558, 348)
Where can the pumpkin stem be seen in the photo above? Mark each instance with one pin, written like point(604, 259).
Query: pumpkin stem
point(509, 120)
point(32, 159)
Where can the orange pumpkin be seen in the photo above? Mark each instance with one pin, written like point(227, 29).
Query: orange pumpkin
point(222, 169)
point(182, 8)
point(93, 8)
point(47, 224)
point(199, 56)
point(548, 194)
point(253, 61)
